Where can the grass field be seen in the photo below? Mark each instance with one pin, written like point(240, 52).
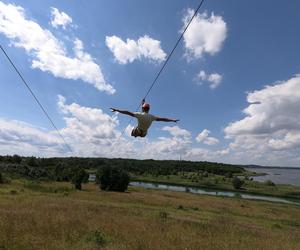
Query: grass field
point(55, 216)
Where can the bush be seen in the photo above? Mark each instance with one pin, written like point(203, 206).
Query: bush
point(97, 237)
point(78, 177)
point(112, 179)
point(228, 175)
point(1, 179)
point(163, 215)
point(269, 183)
point(237, 183)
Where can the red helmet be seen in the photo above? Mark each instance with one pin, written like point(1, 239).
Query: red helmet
point(146, 106)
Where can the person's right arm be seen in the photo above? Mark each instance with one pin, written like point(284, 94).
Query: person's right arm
point(125, 112)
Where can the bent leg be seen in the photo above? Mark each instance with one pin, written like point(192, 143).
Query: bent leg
point(137, 132)
point(143, 134)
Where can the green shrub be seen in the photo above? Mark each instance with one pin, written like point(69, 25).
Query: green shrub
point(79, 176)
point(269, 183)
point(237, 183)
point(163, 215)
point(1, 179)
point(112, 179)
point(13, 192)
point(180, 207)
point(97, 237)
point(228, 175)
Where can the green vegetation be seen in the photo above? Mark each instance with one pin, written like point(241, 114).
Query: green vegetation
point(112, 179)
point(237, 183)
point(60, 169)
point(79, 176)
point(201, 174)
point(269, 183)
point(34, 216)
point(220, 182)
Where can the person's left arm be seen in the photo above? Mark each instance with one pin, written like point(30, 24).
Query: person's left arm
point(162, 119)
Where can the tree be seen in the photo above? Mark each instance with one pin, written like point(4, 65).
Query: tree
point(79, 176)
point(32, 161)
point(269, 183)
point(1, 179)
point(228, 175)
point(237, 183)
point(112, 179)
point(16, 159)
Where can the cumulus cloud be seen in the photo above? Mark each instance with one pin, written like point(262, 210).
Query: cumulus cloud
point(206, 139)
point(91, 132)
point(169, 147)
point(271, 126)
point(59, 18)
point(213, 79)
point(272, 109)
point(88, 131)
point(47, 52)
point(26, 139)
point(127, 52)
point(205, 34)
point(91, 123)
point(177, 131)
point(206, 155)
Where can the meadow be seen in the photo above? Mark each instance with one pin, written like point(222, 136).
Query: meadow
point(53, 215)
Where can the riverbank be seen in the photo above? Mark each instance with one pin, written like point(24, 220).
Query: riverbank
point(213, 192)
point(221, 183)
point(52, 215)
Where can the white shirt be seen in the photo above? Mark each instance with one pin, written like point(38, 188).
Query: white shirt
point(144, 120)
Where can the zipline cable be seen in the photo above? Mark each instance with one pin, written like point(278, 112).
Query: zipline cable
point(35, 98)
point(168, 58)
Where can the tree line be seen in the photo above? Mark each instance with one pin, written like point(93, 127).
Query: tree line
point(75, 169)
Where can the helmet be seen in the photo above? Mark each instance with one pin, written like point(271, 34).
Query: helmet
point(146, 106)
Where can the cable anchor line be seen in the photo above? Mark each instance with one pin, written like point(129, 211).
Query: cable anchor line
point(36, 99)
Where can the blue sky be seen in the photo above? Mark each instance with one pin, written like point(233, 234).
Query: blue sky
point(232, 81)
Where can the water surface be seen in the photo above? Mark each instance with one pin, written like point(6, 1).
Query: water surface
point(196, 190)
point(278, 175)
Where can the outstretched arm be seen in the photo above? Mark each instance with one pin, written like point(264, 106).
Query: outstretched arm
point(125, 112)
point(161, 119)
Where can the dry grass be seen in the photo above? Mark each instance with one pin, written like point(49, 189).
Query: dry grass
point(140, 219)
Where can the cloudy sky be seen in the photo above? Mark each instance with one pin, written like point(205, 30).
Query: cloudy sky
point(233, 81)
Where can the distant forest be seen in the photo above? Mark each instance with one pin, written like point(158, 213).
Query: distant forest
point(61, 169)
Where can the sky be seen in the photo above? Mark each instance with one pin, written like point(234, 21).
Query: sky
point(233, 81)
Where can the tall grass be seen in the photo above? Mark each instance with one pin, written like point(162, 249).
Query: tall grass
point(141, 219)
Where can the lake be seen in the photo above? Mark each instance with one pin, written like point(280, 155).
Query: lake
point(278, 175)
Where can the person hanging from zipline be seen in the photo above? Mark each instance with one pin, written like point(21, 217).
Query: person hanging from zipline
point(144, 119)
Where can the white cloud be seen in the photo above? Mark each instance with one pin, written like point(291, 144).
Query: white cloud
point(272, 109)
point(169, 147)
point(127, 52)
point(91, 132)
point(205, 34)
point(177, 132)
point(206, 139)
point(129, 129)
point(59, 18)
point(92, 124)
point(213, 79)
point(270, 132)
point(47, 52)
point(25, 139)
point(206, 155)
